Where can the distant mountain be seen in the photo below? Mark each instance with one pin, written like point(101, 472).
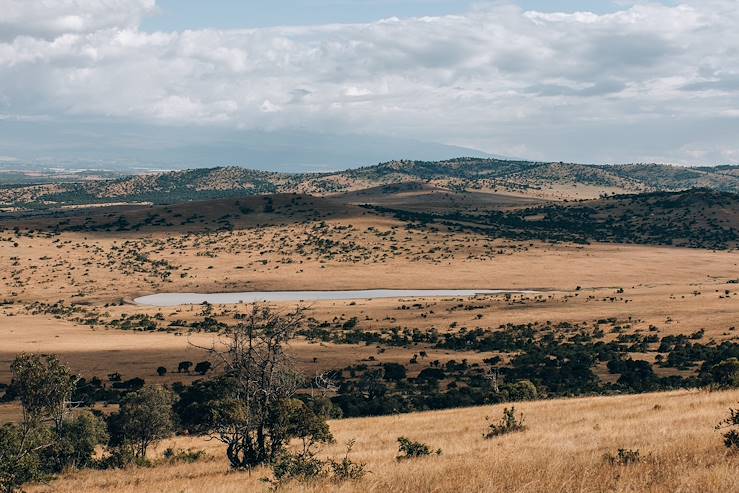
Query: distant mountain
point(535, 179)
point(127, 147)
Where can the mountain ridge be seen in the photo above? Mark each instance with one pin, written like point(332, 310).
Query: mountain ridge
point(548, 180)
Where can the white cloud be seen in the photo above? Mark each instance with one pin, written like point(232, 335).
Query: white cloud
point(46, 18)
point(497, 78)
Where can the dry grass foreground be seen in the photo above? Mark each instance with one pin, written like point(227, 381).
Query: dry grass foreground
point(561, 451)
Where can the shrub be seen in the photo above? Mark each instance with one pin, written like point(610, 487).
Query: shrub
point(119, 457)
point(19, 460)
point(410, 450)
point(431, 374)
point(74, 446)
point(523, 390)
point(507, 424)
point(305, 467)
point(393, 371)
point(347, 469)
point(175, 456)
point(624, 457)
point(731, 437)
point(731, 440)
point(161, 371)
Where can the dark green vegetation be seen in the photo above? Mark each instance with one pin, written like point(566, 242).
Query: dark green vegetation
point(250, 407)
point(456, 174)
point(527, 361)
point(697, 218)
point(731, 436)
point(410, 449)
point(532, 361)
point(47, 440)
point(255, 402)
point(14, 178)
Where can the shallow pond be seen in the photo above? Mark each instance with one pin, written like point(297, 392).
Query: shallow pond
point(173, 299)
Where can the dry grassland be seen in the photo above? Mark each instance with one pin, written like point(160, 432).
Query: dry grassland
point(677, 290)
point(561, 451)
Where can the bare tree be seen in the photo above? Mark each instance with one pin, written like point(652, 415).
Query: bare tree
point(251, 419)
point(324, 384)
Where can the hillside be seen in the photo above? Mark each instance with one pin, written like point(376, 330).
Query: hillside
point(533, 179)
point(562, 450)
point(695, 218)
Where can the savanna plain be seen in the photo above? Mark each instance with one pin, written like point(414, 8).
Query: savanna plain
point(609, 358)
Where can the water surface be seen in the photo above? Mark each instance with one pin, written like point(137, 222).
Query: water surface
point(173, 299)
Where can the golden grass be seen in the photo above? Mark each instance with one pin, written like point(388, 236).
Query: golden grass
point(561, 451)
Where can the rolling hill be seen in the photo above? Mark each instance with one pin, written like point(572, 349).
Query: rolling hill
point(551, 181)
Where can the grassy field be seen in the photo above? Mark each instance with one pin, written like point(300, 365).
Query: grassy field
point(561, 451)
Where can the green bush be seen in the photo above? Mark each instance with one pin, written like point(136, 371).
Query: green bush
point(523, 390)
point(120, 457)
point(74, 446)
point(176, 456)
point(731, 437)
point(304, 467)
point(410, 450)
point(20, 462)
point(726, 373)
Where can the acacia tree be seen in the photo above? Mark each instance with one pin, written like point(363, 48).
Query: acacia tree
point(257, 415)
point(44, 387)
point(145, 417)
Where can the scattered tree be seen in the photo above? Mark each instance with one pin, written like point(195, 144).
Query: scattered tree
point(726, 373)
point(44, 387)
point(255, 415)
point(145, 417)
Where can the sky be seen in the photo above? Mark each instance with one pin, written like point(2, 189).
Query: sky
point(177, 15)
point(317, 84)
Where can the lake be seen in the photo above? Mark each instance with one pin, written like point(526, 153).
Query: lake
point(173, 299)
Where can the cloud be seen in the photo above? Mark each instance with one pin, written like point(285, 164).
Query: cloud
point(495, 77)
point(54, 17)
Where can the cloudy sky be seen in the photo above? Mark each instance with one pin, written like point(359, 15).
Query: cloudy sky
point(123, 81)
